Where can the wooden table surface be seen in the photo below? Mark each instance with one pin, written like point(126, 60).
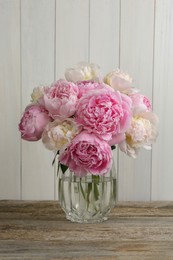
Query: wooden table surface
point(39, 230)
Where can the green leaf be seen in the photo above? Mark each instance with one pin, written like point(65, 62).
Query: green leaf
point(63, 168)
point(113, 147)
point(55, 158)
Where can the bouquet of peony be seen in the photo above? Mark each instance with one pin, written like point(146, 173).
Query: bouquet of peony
point(83, 117)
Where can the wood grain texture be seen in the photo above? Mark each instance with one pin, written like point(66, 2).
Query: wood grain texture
point(39, 230)
point(37, 50)
point(162, 166)
point(9, 99)
point(136, 58)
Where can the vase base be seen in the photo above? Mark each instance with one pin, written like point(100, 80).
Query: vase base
point(85, 220)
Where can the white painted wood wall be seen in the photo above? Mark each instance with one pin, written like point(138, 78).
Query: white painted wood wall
point(40, 38)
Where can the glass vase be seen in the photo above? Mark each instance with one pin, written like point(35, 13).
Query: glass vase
point(87, 199)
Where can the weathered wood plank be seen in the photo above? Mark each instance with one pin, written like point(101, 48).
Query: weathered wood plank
point(102, 250)
point(50, 209)
point(39, 230)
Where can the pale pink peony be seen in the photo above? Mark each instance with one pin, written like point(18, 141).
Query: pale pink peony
point(120, 81)
point(83, 71)
point(38, 93)
point(116, 139)
point(58, 134)
point(141, 133)
point(33, 121)
point(86, 86)
point(140, 103)
point(104, 113)
point(61, 98)
point(87, 154)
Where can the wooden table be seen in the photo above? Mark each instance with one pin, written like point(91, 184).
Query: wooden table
point(39, 230)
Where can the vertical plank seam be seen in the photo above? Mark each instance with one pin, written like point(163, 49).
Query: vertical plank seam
point(119, 34)
point(54, 80)
point(21, 97)
point(119, 65)
point(153, 70)
point(89, 29)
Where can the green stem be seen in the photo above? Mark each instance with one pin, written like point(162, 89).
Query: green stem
point(96, 183)
point(93, 185)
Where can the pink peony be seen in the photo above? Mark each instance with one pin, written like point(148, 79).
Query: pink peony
point(60, 99)
point(104, 113)
point(87, 154)
point(33, 121)
point(140, 103)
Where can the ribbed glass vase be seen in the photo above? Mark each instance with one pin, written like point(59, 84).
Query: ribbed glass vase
point(87, 199)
